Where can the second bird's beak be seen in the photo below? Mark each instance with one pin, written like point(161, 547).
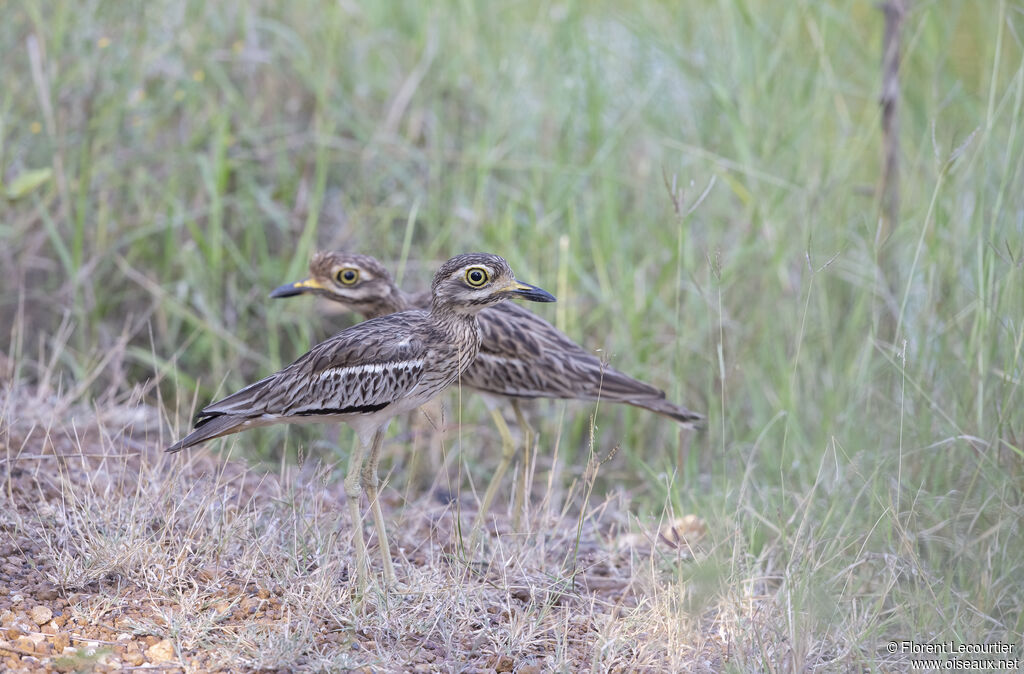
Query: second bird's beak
point(297, 288)
point(529, 292)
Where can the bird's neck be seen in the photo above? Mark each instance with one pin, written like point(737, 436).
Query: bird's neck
point(401, 300)
point(460, 324)
point(444, 315)
point(462, 332)
point(392, 303)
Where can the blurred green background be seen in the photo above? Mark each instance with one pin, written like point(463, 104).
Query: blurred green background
point(166, 164)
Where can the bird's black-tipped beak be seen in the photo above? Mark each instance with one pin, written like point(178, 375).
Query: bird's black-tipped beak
point(529, 292)
point(297, 288)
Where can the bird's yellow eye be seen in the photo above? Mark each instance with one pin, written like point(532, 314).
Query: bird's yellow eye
point(347, 276)
point(476, 276)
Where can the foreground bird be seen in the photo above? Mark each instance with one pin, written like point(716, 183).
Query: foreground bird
point(521, 355)
point(369, 373)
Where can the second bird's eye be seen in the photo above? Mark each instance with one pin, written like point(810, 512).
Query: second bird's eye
point(347, 276)
point(476, 276)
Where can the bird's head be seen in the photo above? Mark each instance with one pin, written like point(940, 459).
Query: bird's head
point(359, 282)
point(470, 282)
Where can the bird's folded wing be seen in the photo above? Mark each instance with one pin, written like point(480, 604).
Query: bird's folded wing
point(522, 354)
point(363, 369)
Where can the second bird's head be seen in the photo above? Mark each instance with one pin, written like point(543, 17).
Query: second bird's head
point(470, 282)
point(359, 282)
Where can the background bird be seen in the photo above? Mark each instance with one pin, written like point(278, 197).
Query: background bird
point(521, 355)
point(367, 374)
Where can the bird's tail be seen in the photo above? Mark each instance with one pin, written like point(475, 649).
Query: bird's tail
point(663, 407)
point(615, 386)
point(212, 427)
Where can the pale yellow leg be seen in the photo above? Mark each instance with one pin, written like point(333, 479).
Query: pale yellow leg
point(370, 481)
point(508, 452)
point(352, 492)
point(523, 483)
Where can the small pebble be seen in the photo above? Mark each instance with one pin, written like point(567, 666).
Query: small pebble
point(47, 594)
point(162, 651)
point(41, 615)
point(134, 658)
point(25, 645)
point(61, 640)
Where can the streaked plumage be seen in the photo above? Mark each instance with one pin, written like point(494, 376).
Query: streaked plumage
point(521, 355)
point(372, 371)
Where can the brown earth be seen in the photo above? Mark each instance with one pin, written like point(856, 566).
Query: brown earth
point(115, 556)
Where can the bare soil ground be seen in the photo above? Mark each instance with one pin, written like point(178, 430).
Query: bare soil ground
point(115, 556)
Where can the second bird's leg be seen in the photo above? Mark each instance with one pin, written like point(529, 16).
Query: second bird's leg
point(523, 483)
point(370, 480)
point(508, 452)
point(352, 491)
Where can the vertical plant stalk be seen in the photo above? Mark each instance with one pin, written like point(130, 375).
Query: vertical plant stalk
point(36, 59)
point(888, 194)
point(895, 11)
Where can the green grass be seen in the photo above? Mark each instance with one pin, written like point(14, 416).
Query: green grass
point(863, 457)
